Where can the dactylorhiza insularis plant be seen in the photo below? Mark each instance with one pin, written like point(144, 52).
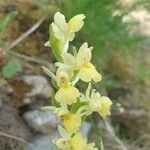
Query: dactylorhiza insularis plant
point(71, 106)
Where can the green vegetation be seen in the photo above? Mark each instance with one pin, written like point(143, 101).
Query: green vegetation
point(6, 21)
point(10, 69)
point(9, 66)
point(112, 38)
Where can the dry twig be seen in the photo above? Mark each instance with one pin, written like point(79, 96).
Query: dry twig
point(16, 138)
point(31, 59)
point(28, 32)
point(22, 37)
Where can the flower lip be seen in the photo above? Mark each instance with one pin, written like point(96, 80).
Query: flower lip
point(62, 79)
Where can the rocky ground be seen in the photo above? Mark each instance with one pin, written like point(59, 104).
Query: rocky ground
point(23, 125)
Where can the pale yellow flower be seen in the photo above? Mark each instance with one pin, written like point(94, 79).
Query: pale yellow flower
point(73, 141)
point(64, 31)
point(87, 70)
point(66, 93)
point(72, 122)
point(91, 146)
point(100, 104)
point(81, 62)
point(64, 142)
point(105, 106)
point(80, 143)
point(96, 103)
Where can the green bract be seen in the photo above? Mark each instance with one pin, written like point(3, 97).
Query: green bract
point(55, 45)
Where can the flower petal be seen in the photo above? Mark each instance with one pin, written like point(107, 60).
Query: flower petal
point(68, 95)
point(96, 76)
point(58, 33)
point(64, 133)
point(95, 95)
point(76, 23)
point(62, 77)
point(88, 72)
point(71, 36)
point(105, 106)
point(69, 59)
point(78, 142)
point(88, 91)
point(63, 144)
point(84, 55)
point(60, 20)
point(49, 73)
point(85, 74)
point(72, 122)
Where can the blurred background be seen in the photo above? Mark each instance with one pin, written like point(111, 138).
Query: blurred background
point(119, 30)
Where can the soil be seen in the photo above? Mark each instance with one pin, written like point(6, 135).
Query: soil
point(10, 123)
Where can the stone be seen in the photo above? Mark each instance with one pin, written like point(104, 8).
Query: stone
point(39, 84)
point(42, 143)
point(85, 128)
point(41, 121)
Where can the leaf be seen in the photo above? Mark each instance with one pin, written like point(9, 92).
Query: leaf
point(10, 69)
point(53, 100)
point(5, 21)
point(56, 45)
point(48, 72)
point(74, 51)
point(54, 83)
point(48, 108)
point(75, 106)
point(143, 74)
point(63, 132)
point(101, 144)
